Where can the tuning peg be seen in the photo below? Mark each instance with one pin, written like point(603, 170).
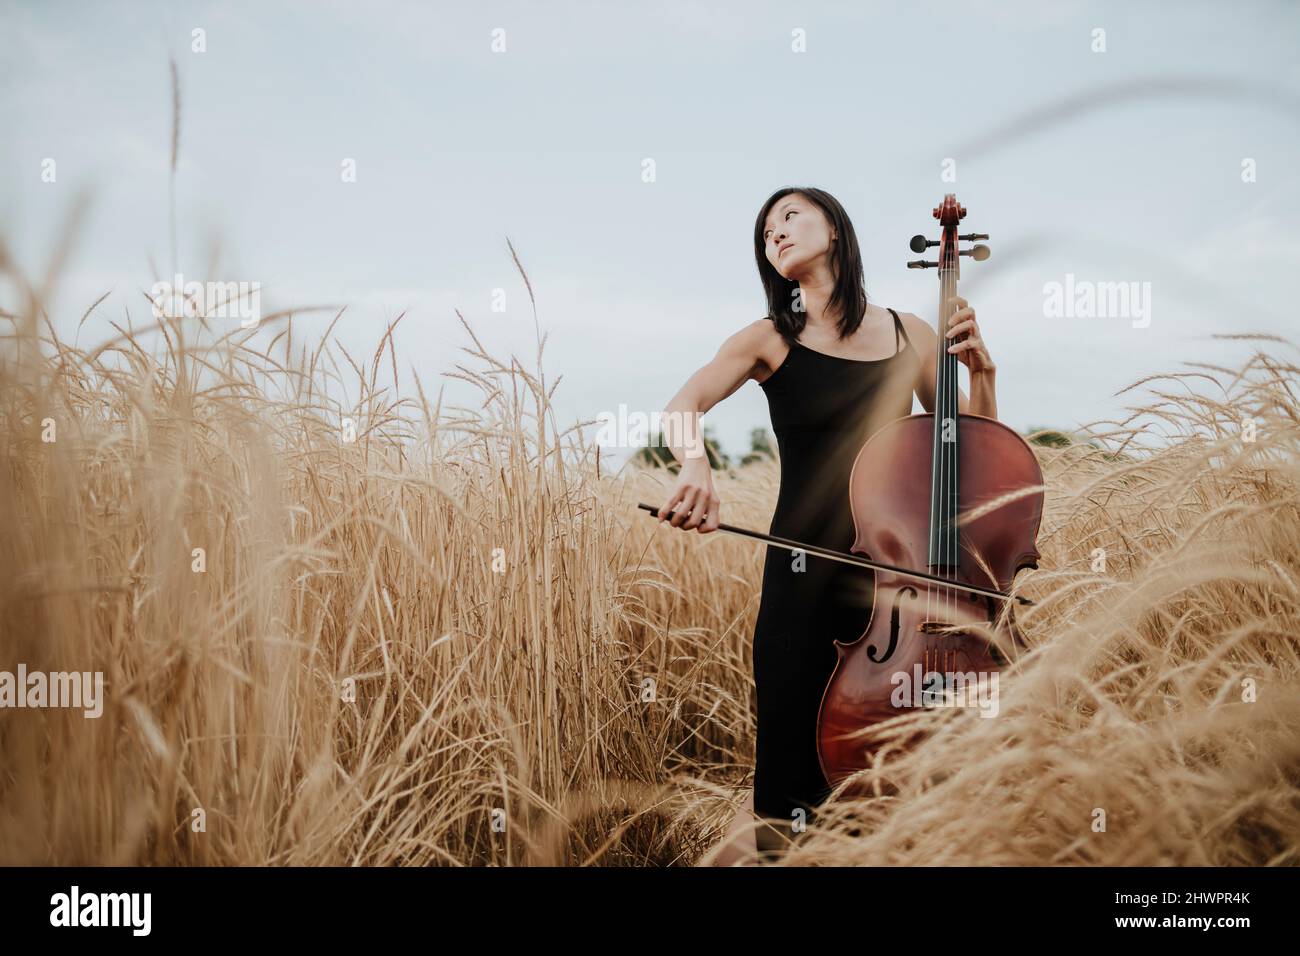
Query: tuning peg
point(922, 264)
point(974, 236)
point(979, 253)
point(920, 243)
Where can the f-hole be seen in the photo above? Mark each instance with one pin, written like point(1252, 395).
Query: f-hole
point(893, 626)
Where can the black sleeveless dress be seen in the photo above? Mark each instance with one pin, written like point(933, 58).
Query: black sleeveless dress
point(823, 409)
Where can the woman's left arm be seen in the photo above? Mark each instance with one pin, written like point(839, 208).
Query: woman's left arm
point(974, 354)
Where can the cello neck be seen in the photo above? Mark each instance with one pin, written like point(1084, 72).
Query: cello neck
point(942, 550)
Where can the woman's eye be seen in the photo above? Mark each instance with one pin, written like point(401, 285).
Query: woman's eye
point(788, 213)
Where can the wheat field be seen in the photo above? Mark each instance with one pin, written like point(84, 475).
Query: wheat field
point(389, 632)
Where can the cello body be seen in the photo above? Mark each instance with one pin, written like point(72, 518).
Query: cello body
point(890, 512)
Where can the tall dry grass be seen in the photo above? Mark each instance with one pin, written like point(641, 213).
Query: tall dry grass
point(1156, 719)
point(453, 639)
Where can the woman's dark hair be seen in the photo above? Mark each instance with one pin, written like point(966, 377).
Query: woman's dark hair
point(849, 296)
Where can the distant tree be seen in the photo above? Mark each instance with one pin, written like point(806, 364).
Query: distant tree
point(760, 446)
point(658, 454)
point(1059, 438)
point(1051, 437)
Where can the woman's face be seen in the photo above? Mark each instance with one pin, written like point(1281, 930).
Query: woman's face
point(796, 236)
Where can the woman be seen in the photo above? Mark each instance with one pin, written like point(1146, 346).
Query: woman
point(835, 369)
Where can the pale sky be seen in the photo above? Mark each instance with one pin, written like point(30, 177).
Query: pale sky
point(1115, 166)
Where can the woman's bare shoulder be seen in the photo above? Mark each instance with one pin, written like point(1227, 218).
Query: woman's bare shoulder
point(756, 338)
point(917, 328)
point(766, 344)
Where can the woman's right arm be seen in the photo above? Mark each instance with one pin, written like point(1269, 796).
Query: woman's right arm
point(693, 501)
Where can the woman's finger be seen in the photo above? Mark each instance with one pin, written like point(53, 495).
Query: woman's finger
point(675, 507)
point(684, 507)
point(667, 506)
point(714, 519)
point(697, 510)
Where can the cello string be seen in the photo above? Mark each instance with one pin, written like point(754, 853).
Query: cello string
point(956, 493)
point(956, 460)
point(946, 445)
point(945, 489)
point(945, 497)
point(950, 473)
point(936, 471)
point(936, 488)
point(956, 506)
point(952, 492)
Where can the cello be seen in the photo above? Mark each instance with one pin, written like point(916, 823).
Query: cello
point(973, 526)
point(974, 523)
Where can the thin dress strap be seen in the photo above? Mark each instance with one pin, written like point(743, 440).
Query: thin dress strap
point(898, 328)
